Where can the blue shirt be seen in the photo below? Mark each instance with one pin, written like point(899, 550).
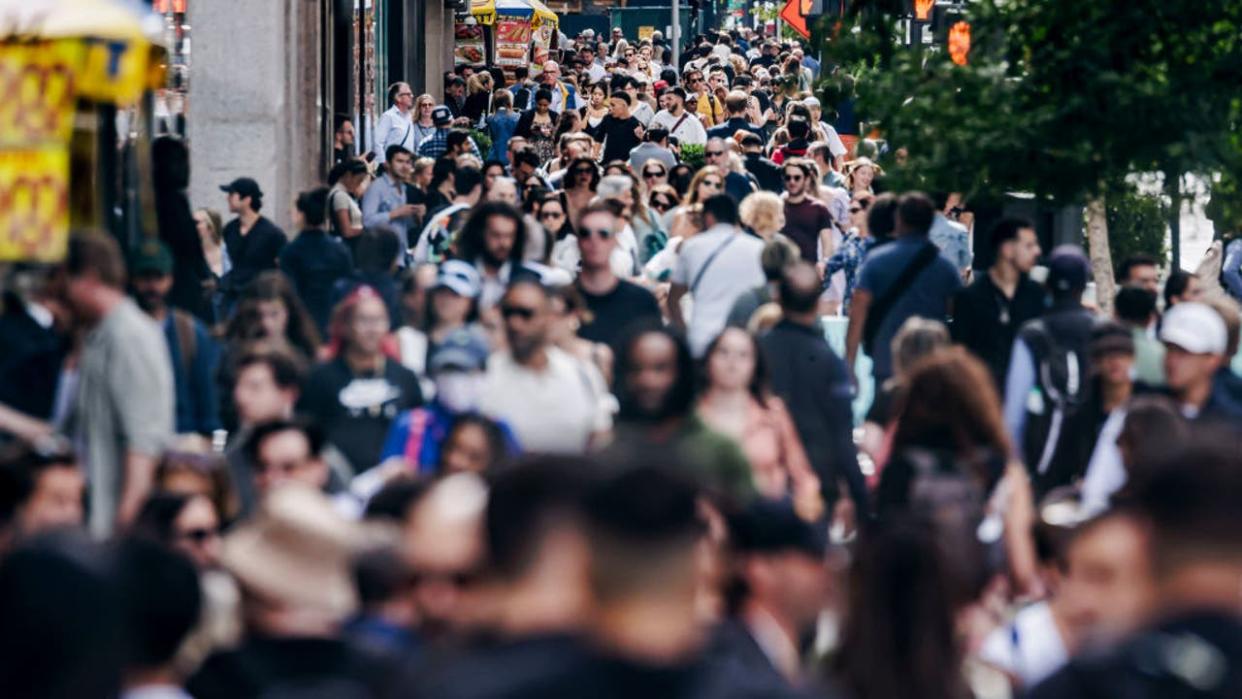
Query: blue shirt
point(501, 127)
point(384, 195)
point(848, 258)
point(194, 377)
point(928, 296)
point(1231, 269)
point(953, 240)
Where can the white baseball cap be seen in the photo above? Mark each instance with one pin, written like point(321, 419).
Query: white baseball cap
point(811, 101)
point(1195, 327)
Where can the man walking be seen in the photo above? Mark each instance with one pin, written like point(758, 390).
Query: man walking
point(988, 313)
point(563, 96)
point(898, 281)
point(396, 126)
point(814, 384)
point(385, 204)
point(714, 267)
point(614, 303)
point(735, 105)
point(252, 240)
point(193, 354)
point(437, 144)
point(808, 222)
point(681, 125)
point(124, 411)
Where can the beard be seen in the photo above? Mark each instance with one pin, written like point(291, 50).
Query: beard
point(149, 301)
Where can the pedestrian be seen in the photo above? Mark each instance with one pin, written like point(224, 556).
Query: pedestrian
point(849, 255)
point(193, 353)
point(538, 126)
point(252, 240)
point(360, 389)
point(564, 97)
point(737, 402)
point(654, 147)
point(1135, 307)
point(681, 124)
point(348, 181)
point(418, 437)
point(436, 240)
point(808, 223)
point(170, 173)
point(1180, 287)
point(1047, 385)
point(1195, 339)
point(613, 303)
point(988, 313)
point(766, 173)
point(124, 355)
point(437, 144)
point(385, 202)
point(43, 492)
point(896, 282)
point(343, 140)
point(1140, 269)
point(210, 228)
point(501, 126)
point(315, 262)
point(554, 402)
point(778, 254)
point(396, 126)
point(951, 237)
point(619, 132)
point(478, 105)
point(455, 98)
point(295, 538)
point(714, 267)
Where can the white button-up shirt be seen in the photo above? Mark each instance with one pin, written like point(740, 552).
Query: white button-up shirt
point(394, 128)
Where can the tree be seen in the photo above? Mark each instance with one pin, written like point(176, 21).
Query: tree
point(1061, 98)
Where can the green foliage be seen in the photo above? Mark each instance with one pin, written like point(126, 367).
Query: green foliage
point(693, 155)
point(1225, 207)
point(483, 140)
point(1060, 97)
point(1136, 223)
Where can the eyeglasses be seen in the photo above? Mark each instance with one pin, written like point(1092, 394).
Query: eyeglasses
point(793, 178)
point(519, 311)
point(200, 535)
point(653, 173)
point(551, 214)
point(601, 233)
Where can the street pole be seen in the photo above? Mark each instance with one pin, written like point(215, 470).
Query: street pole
point(676, 34)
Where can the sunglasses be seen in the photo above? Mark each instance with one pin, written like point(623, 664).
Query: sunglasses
point(661, 204)
point(793, 178)
point(201, 535)
point(551, 214)
point(712, 183)
point(653, 173)
point(714, 153)
point(601, 233)
point(519, 311)
point(584, 171)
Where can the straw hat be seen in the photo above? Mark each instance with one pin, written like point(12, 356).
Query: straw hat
point(856, 163)
point(297, 551)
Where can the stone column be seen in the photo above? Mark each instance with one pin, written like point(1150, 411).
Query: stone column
point(255, 102)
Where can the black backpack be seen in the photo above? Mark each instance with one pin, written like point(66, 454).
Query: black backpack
point(1056, 438)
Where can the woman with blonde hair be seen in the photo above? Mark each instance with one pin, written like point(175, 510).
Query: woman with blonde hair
point(763, 213)
point(479, 97)
point(423, 125)
point(860, 173)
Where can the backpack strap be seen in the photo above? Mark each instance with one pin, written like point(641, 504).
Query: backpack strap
point(884, 304)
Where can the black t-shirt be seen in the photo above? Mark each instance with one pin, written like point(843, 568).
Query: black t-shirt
point(356, 411)
point(986, 322)
point(295, 667)
point(613, 312)
point(252, 253)
point(617, 136)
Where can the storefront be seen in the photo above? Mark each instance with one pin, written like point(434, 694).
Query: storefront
point(506, 33)
point(75, 122)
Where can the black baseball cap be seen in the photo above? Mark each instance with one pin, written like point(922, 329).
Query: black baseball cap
point(1068, 269)
point(441, 116)
point(243, 186)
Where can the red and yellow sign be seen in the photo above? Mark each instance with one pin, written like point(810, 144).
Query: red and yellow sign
point(39, 81)
point(795, 13)
point(923, 9)
point(34, 204)
point(959, 42)
point(512, 41)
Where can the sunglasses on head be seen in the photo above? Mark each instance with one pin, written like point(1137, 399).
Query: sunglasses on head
point(519, 311)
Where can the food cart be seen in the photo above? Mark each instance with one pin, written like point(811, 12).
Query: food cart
point(506, 33)
point(67, 66)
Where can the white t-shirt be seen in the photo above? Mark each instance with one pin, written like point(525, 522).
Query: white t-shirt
point(689, 131)
point(732, 267)
point(643, 113)
point(555, 410)
point(1030, 647)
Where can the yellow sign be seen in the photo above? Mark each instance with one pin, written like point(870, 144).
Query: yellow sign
point(38, 80)
point(645, 32)
point(114, 71)
point(34, 204)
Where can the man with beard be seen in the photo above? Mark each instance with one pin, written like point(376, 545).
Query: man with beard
point(756, 650)
point(493, 240)
point(655, 377)
point(194, 354)
point(554, 402)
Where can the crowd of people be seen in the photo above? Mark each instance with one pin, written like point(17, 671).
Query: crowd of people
point(556, 413)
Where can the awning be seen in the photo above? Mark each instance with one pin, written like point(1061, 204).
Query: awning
point(485, 11)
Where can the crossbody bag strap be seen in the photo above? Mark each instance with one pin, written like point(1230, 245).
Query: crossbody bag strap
point(880, 309)
point(710, 259)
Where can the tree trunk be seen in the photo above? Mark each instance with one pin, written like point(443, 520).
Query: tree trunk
point(1101, 257)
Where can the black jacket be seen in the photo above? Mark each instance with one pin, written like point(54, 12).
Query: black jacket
point(767, 173)
point(315, 262)
point(815, 385)
point(252, 253)
point(986, 322)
